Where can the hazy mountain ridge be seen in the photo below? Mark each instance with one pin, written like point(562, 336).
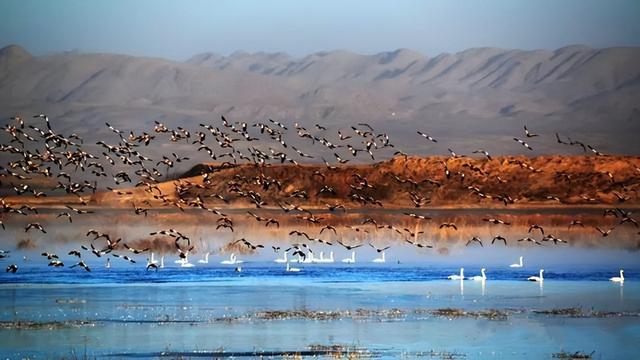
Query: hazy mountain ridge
point(476, 90)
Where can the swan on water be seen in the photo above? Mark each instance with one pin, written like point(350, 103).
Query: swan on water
point(619, 279)
point(283, 260)
point(537, 278)
point(232, 260)
point(457, 277)
point(350, 260)
point(517, 265)
point(162, 262)
point(205, 260)
point(482, 277)
point(380, 259)
point(291, 269)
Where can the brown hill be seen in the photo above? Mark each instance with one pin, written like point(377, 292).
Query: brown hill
point(472, 182)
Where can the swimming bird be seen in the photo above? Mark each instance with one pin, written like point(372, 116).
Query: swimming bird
point(13, 268)
point(291, 269)
point(457, 277)
point(350, 260)
point(381, 259)
point(518, 264)
point(283, 260)
point(482, 277)
point(205, 260)
point(537, 278)
point(619, 279)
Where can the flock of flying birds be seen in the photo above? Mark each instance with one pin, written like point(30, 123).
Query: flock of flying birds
point(36, 150)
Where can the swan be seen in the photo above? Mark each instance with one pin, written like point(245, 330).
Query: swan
point(153, 260)
point(283, 260)
point(309, 259)
point(517, 265)
point(292, 269)
point(205, 260)
point(320, 259)
point(619, 279)
point(186, 263)
point(330, 259)
point(108, 264)
point(482, 277)
point(350, 260)
point(457, 277)
point(537, 278)
point(162, 262)
point(232, 260)
point(380, 259)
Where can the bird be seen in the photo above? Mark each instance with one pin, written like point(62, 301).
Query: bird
point(291, 269)
point(499, 238)
point(205, 260)
point(13, 268)
point(448, 225)
point(519, 264)
point(537, 278)
point(618, 279)
point(523, 143)
point(82, 265)
point(476, 239)
point(538, 227)
point(496, 221)
point(603, 232)
point(575, 223)
point(527, 133)
point(482, 277)
point(34, 226)
point(528, 239)
point(427, 136)
point(457, 276)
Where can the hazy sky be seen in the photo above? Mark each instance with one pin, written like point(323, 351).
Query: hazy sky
point(179, 29)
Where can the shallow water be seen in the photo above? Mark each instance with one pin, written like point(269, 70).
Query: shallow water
point(205, 310)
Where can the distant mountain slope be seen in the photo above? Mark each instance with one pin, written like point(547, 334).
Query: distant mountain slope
point(484, 94)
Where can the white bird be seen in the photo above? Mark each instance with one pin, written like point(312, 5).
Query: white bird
point(537, 278)
point(619, 279)
point(380, 259)
point(232, 260)
point(517, 265)
point(108, 264)
point(292, 269)
point(482, 277)
point(205, 260)
point(322, 259)
point(162, 262)
point(309, 259)
point(350, 260)
point(153, 260)
point(186, 263)
point(457, 277)
point(283, 260)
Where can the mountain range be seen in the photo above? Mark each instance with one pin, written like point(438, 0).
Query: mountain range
point(479, 97)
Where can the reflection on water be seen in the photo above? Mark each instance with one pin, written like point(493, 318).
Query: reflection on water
point(387, 310)
point(404, 307)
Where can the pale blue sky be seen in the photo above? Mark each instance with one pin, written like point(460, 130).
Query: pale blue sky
point(180, 29)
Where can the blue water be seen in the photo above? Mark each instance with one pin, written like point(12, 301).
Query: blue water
point(178, 312)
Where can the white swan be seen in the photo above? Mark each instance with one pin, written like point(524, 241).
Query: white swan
point(283, 260)
point(291, 269)
point(457, 277)
point(537, 278)
point(619, 279)
point(205, 260)
point(322, 259)
point(380, 259)
point(517, 265)
point(350, 260)
point(232, 260)
point(153, 259)
point(482, 277)
point(186, 263)
point(309, 259)
point(162, 262)
point(330, 259)
point(108, 264)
